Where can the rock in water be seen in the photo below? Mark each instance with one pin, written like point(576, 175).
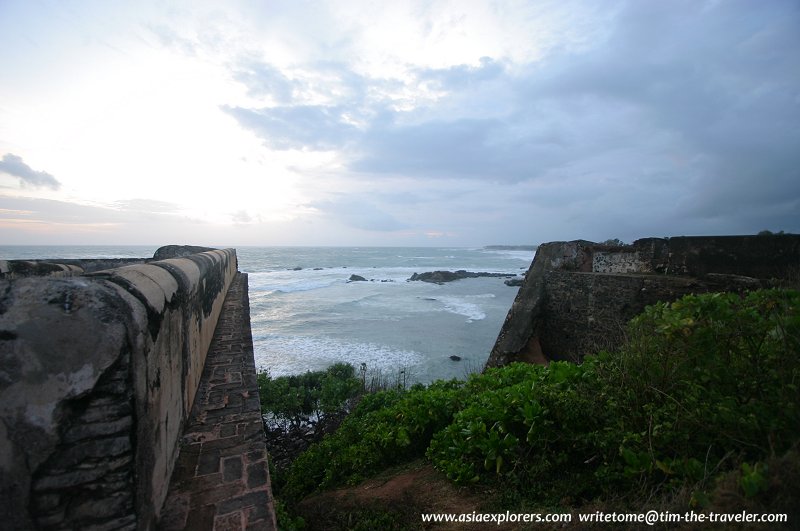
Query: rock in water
point(356, 278)
point(455, 358)
point(440, 277)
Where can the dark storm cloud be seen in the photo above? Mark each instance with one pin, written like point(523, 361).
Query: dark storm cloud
point(13, 165)
point(718, 83)
point(684, 113)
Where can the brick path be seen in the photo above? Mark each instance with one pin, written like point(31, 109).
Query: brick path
point(221, 479)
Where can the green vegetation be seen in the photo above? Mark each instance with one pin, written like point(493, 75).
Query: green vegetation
point(290, 401)
point(705, 388)
point(703, 384)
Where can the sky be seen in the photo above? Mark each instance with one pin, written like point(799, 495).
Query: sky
point(404, 123)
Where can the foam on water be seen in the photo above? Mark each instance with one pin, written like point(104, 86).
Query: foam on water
point(284, 355)
point(462, 306)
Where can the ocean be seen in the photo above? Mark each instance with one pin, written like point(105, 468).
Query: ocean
point(306, 315)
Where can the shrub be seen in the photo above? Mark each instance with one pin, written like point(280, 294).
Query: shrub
point(704, 385)
point(294, 400)
point(707, 378)
point(385, 428)
point(703, 380)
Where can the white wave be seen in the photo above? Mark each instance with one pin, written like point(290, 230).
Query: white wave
point(285, 355)
point(291, 281)
point(459, 306)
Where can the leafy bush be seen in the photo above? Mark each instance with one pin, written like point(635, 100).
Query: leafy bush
point(704, 385)
point(385, 428)
point(702, 380)
point(709, 378)
point(544, 426)
point(294, 400)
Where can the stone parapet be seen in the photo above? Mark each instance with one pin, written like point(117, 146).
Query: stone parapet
point(62, 267)
point(98, 374)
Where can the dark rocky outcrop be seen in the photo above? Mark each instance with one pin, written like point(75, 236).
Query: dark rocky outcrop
point(178, 251)
point(577, 296)
point(356, 278)
point(514, 282)
point(440, 277)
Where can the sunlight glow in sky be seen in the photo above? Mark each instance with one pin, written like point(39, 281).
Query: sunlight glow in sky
point(396, 123)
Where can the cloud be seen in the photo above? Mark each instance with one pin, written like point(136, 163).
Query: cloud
point(532, 120)
point(29, 220)
point(241, 217)
point(681, 116)
point(460, 77)
point(313, 127)
point(147, 206)
point(13, 165)
point(265, 80)
point(361, 214)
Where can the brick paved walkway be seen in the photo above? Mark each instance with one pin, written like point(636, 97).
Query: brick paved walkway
point(221, 479)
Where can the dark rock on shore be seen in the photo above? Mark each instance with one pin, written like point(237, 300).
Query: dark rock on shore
point(440, 277)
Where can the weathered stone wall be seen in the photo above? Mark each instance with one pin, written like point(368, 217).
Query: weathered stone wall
point(97, 376)
point(62, 267)
point(578, 296)
point(586, 312)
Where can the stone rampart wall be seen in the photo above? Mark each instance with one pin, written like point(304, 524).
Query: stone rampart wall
point(97, 376)
point(578, 296)
point(62, 267)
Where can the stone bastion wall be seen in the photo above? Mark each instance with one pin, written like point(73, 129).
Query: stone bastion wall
point(98, 372)
point(578, 296)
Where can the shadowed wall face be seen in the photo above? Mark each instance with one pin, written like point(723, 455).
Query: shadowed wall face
point(97, 376)
point(578, 296)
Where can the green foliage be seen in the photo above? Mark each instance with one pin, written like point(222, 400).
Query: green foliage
point(705, 384)
point(285, 521)
point(293, 400)
point(529, 423)
point(385, 428)
point(753, 479)
point(708, 377)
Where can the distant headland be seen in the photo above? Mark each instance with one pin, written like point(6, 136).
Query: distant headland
point(511, 247)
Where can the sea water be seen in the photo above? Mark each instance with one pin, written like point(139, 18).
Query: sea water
point(306, 314)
